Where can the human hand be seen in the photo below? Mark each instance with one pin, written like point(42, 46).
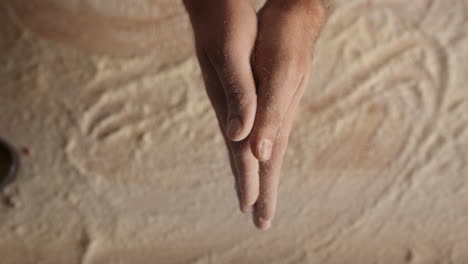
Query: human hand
point(282, 57)
point(225, 33)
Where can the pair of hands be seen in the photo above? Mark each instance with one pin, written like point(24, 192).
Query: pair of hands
point(255, 68)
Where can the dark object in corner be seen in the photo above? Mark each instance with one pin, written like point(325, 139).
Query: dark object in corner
point(8, 163)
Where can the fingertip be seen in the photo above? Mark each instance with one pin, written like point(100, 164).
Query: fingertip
point(246, 209)
point(243, 206)
point(234, 130)
point(247, 203)
point(262, 223)
point(260, 219)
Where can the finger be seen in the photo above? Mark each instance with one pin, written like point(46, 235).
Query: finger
point(248, 177)
point(233, 168)
point(243, 164)
point(235, 73)
point(277, 82)
point(265, 206)
point(232, 161)
point(218, 101)
point(236, 40)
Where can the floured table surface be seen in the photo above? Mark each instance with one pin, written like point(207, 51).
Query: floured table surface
point(122, 161)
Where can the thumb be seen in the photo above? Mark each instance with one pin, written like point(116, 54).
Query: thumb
point(236, 76)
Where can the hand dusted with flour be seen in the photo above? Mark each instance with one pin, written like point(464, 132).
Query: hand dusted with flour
point(126, 163)
point(225, 34)
point(256, 117)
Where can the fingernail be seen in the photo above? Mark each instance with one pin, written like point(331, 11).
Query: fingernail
point(265, 149)
point(233, 127)
point(263, 224)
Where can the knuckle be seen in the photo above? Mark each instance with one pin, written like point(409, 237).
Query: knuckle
point(236, 96)
point(283, 143)
point(274, 118)
point(240, 99)
point(282, 137)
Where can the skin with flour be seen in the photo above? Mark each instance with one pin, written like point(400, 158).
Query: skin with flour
point(377, 153)
point(255, 67)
